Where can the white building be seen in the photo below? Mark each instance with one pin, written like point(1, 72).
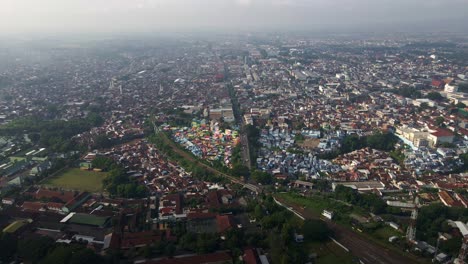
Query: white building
point(328, 214)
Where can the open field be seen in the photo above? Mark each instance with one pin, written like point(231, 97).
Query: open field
point(76, 179)
point(309, 143)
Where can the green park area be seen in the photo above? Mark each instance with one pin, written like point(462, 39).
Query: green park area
point(76, 179)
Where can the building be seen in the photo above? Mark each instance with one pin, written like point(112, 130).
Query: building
point(76, 202)
point(361, 186)
point(448, 200)
point(449, 88)
point(441, 136)
point(328, 214)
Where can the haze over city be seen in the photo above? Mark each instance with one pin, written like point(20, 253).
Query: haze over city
point(140, 16)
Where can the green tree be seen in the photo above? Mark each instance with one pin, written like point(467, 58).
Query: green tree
point(315, 230)
point(34, 249)
point(435, 96)
point(258, 213)
point(8, 246)
point(240, 170)
point(102, 142)
point(169, 250)
point(423, 106)
point(439, 121)
point(460, 105)
point(262, 177)
point(103, 163)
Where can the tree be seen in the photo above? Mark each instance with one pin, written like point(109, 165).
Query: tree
point(206, 243)
point(258, 213)
point(351, 143)
point(423, 106)
point(60, 254)
point(382, 141)
point(435, 96)
point(34, 137)
point(169, 250)
point(315, 230)
point(188, 241)
point(34, 249)
point(460, 105)
point(8, 246)
point(72, 254)
point(240, 170)
point(262, 177)
point(103, 163)
point(102, 142)
point(439, 121)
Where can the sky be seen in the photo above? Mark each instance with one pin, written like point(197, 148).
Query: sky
point(127, 16)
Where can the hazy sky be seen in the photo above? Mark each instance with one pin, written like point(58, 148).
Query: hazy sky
point(79, 16)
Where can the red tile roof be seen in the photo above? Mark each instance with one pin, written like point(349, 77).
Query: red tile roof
point(250, 256)
point(192, 216)
point(33, 206)
point(447, 199)
point(63, 196)
point(139, 239)
point(443, 133)
point(224, 222)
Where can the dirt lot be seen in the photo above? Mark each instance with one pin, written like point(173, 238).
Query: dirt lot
point(309, 143)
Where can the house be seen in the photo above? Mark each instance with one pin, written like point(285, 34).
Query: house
point(57, 207)
point(303, 184)
point(8, 201)
point(224, 223)
point(16, 226)
point(361, 186)
point(328, 214)
point(34, 206)
point(462, 200)
point(250, 256)
point(76, 202)
point(393, 225)
point(298, 238)
point(202, 222)
point(441, 136)
point(448, 200)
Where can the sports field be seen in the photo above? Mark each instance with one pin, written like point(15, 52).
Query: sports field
point(76, 179)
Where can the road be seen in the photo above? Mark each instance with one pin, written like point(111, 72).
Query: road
point(367, 251)
point(239, 121)
point(245, 149)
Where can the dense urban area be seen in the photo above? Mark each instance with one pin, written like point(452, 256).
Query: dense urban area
point(262, 148)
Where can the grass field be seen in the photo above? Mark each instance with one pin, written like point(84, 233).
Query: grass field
point(384, 233)
point(76, 179)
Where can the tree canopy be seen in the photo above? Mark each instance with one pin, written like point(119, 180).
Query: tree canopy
point(117, 183)
point(315, 230)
